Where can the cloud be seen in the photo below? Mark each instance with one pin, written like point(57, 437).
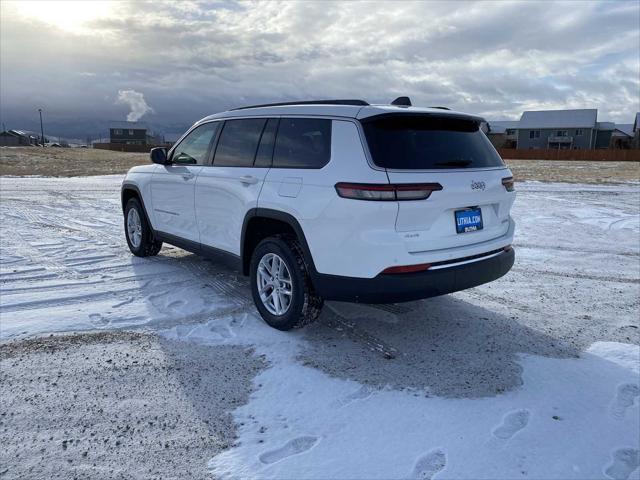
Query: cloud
point(192, 59)
point(136, 103)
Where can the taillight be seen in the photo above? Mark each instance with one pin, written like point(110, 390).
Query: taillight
point(508, 184)
point(421, 267)
point(387, 192)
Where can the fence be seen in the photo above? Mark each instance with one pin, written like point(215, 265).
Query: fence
point(506, 153)
point(555, 154)
point(123, 147)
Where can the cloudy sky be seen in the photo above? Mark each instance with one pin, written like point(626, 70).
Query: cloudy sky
point(86, 63)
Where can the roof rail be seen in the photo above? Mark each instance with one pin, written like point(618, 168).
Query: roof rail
point(441, 108)
point(354, 102)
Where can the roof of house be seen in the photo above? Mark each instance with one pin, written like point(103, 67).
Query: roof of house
point(9, 133)
point(626, 128)
point(583, 118)
point(25, 133)
point(501, 126)
point(128, 125)
point(605, 126)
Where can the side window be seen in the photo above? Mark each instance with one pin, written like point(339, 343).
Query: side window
point(238, 142)
point(302, 143)
point(265, 150)
point(193, 149)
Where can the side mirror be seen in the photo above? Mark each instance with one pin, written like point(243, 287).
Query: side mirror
point(159, 155)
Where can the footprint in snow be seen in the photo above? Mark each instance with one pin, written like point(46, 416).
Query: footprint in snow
point(223, 332)
point(625, 461)
point(429, 465)
point(362, 393)
point(292, 447)
point(627, 393)
point(176, 304)
point(123, 302)
point(512, 423)
point(98, 320)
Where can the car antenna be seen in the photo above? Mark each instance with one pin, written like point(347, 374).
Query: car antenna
point(402, 102)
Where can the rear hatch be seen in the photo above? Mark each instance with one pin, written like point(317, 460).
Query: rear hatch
point(450, 150)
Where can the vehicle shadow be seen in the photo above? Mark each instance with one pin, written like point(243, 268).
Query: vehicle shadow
point(443, 346)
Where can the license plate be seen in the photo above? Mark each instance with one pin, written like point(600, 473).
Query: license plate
point(468, 220)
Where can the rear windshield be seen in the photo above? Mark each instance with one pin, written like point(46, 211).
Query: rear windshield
point(417, 142)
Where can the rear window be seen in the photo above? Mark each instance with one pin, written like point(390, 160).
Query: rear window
point(418, 142)
point(238, 143)
point(302, 143)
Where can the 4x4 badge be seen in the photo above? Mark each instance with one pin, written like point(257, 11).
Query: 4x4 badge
point(478, 185)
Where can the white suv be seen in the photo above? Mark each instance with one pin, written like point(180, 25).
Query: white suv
point(331, 200)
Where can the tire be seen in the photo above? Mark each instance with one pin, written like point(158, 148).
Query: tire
point(146, 245)
point(305, 305)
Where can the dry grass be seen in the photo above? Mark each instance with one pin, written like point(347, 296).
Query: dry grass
point(68, 162)
point(575, 171)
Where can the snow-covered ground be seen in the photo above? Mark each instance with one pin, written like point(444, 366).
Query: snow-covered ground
point(533, 376)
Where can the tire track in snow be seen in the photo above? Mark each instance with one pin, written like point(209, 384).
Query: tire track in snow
point(582, 276)
point(575, 250)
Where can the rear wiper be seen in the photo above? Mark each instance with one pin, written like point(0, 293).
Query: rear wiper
point(454, 163)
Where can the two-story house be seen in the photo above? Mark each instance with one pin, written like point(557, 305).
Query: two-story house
point(563, 129)
point(132, 133)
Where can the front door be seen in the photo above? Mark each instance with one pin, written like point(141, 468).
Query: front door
point(173, 185)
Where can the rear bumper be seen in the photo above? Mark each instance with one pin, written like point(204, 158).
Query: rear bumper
point(413, 286)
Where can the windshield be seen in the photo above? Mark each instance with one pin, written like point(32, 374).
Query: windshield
point(418, 142)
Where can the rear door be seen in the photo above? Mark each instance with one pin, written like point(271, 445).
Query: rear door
point(230, 187)
point(173, 185)
point(472, 206)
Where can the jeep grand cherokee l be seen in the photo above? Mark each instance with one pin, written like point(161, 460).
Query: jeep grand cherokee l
point(330, 200)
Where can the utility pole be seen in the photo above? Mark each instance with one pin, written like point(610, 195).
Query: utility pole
point(41, 127)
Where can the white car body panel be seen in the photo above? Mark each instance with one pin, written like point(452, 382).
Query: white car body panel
point(172, 200)
point(432, 222)
point(223, 196)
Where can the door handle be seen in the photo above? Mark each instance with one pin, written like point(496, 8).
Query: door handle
point(248, 179)
point(187, 176)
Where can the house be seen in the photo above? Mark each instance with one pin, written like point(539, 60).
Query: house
point(131, 133)
point(503, 133)
point(10, 139)
point(14, 138)
point(604, 131)
point(622, 136)
point(559, 129)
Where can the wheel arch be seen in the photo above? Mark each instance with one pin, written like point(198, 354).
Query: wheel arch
point(129, 191)
point(260, 223)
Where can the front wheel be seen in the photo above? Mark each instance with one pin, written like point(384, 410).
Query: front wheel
point(138, 232)
point(281, 286)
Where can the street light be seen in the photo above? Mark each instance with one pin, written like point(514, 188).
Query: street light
point(41, 128)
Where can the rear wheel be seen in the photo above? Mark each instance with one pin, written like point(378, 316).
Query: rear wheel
point(138, 231)
point(281, 286)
